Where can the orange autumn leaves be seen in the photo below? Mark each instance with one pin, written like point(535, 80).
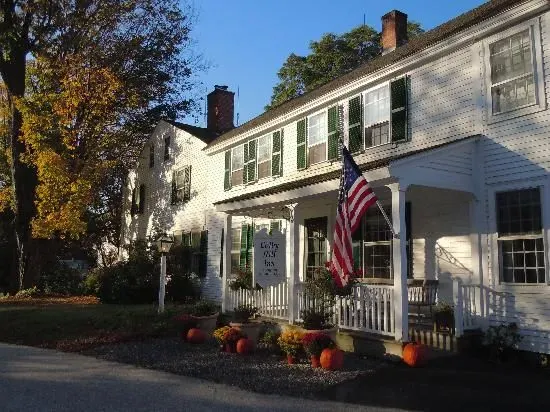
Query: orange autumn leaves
point(69, 125)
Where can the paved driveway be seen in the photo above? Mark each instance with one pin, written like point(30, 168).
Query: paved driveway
point(34, 379)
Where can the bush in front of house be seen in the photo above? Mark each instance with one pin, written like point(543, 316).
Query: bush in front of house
point(183, 287)
point(60, 279)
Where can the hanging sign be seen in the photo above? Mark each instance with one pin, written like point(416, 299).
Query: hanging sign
point(269, 258)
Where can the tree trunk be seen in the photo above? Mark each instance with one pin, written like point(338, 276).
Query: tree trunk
point(23, 176)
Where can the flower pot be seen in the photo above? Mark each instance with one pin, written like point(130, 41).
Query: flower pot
point(207, 323)
point(250, 329)
point(315, 362)
point(230, 347)
point(290, 359)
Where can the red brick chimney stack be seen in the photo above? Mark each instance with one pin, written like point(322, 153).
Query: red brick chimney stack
point(220, 110)
point(394, 30)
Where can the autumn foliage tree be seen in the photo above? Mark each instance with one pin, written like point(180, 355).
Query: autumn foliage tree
point(86, 82)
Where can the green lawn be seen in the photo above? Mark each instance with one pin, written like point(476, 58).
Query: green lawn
point(77, 327)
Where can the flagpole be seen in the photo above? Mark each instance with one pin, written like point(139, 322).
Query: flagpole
point(387, 219)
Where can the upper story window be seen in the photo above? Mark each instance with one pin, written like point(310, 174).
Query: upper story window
point(181, 185)
point(378, 116)
point(138, 200)
point(514, 72)
point(317, 138)
point(167, 148)
point(520, 236)
point(256, 159)
point(151, 155)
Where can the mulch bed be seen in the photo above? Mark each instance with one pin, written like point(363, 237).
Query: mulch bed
point(49, 300)
point(259, 372)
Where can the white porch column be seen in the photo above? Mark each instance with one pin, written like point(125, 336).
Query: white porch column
point(293, 261)
point(399, 256)
point(226, 259)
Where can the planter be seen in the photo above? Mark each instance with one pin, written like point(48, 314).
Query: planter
point(291, 360)
point(444, 321)
point(315, 362)
point(207, 323)
point(230, 347)
point(251, 330)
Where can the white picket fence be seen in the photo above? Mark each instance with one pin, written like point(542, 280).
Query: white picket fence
point(271, 302)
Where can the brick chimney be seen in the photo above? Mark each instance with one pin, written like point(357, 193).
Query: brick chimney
point(394, 30)
point(220, 110)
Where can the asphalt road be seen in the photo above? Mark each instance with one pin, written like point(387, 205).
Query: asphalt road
point(33, 379)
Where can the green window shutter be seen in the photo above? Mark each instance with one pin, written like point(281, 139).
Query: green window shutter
point(301, 144)
point(399, 113)
point(250, 246)
point(282, 150)
point(203, 253)
point(187, 186)
point(222, 240)
point(355, 124)
point(275, 225)
point(245, 162)
point(333, 133)
point(227, 174)
point(276, 149)
point(244, 247)
point(250, 168)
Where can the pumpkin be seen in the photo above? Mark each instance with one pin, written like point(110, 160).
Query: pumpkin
point(196, 336)
point(244, 346)
point(332, 359)
point(414, 355)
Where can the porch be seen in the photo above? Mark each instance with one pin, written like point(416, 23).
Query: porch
point(437, 244)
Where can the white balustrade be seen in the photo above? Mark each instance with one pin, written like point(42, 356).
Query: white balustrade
point(271, 302)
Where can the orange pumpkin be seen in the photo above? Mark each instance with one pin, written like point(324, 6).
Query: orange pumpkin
point(244, 346)
point(196, 336)
point(414, 355)
point(332, 359)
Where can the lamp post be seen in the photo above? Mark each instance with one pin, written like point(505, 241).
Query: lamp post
point(164, 243)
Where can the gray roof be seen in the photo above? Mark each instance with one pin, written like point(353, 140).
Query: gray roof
point(423, 41)
point(202, 133)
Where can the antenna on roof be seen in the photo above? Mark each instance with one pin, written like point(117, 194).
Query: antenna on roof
point(364, 19)
point(238, 102)
point(205, 107)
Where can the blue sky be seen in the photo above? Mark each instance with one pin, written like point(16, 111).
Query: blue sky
point(247, 41)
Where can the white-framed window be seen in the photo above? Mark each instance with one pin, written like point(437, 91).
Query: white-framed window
point(235, 249)
point(520, 236)
point(377, 116)
point(181, 184)
point(513, 61)
point(317, 134)
point(264, 156)
point(237, 165)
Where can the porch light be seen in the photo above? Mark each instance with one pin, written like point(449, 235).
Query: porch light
point(164, 243)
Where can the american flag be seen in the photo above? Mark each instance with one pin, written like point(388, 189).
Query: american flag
point(354, 199)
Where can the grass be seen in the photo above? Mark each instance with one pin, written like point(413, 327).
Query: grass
point(75, 327)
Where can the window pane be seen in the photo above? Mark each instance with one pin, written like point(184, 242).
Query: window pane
point(377, 106)
point(317, 153)
point(235, 257)
point(317, 129)
point(237, 177)
point(513, 94)
point(519, 212)
point(377, 135)
point(511, 57)
point(264, 148)
point(237, 158)
point(236, 239)
point(264, 169)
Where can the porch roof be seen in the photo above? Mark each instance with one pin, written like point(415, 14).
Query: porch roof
point(432, 171)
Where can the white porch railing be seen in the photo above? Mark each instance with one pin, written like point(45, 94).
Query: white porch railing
point(271, 302)
point(467, 306)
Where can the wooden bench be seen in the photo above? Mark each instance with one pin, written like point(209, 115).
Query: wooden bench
point(422, 293)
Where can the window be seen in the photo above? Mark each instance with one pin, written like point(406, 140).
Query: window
point(191, 254)
point(167, 148)
point(138, 200)
point(264, 156)
point(317, 138)
point(377, 116)
point(512, 72)
point(316, 234)
point(242, 245)
point(151, 155)
point(237, 165)
point(235, 249)
point(513, 61)
point(181, 185)
point(520, 236)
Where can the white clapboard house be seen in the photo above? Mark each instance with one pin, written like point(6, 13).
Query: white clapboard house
point(451, 129)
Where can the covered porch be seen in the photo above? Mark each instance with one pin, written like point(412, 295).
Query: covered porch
point(432, 203)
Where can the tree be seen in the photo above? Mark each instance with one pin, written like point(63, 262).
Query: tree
point(330, 57)
point(103, 73)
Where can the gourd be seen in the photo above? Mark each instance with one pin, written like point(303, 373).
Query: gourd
point(414, 355)
point(195, 335)
point(332, 359)
point(244, 346)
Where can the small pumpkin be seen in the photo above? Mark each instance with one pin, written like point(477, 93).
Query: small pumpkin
point(414, 354)
point(196, 335)
point(332, 359)
point(244, 346)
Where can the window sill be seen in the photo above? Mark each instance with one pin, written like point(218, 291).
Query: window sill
point(512, 114)
point(528, 288)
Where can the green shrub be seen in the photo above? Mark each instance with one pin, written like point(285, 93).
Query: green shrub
point(204, 308)
point(183, 287)
point(60, 279)
point(27, 293)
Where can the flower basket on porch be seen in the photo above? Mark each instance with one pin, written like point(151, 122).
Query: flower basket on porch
point(444, 318)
